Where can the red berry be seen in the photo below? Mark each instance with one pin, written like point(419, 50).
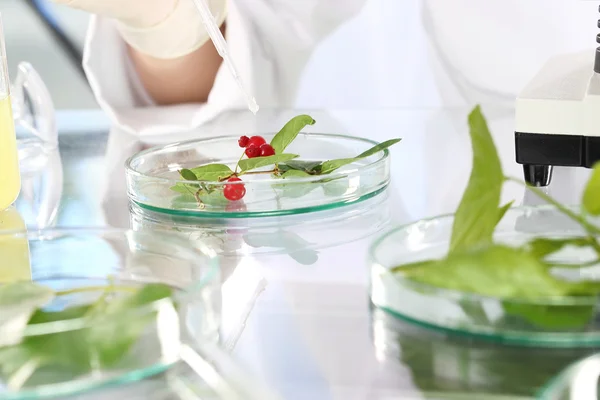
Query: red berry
point(257, 141)
point(243, 142)
point(235, 191)
point(252, 151)
point(266, 150)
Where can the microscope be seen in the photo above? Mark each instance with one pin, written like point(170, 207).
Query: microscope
point(557, 120)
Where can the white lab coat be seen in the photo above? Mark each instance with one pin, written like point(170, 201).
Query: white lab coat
point(351, 54)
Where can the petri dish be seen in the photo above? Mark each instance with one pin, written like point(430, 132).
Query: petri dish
point(60, 350)
point(151, 175)
point(578, 381)
point(452, 367)
point(545, 322)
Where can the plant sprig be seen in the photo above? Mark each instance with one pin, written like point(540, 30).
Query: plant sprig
point(477, 264)
point(110, 330)
point(205, 181)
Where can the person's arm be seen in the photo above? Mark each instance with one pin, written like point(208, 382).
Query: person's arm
point(187, 79)
point(167, 43)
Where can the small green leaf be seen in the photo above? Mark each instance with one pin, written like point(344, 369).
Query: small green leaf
point(212, 172)
point(117, 328)
point(214, 198)
point(313, 167)
point(332, 165)
point(551, 316)
point(591, 194)
point(184, 189)
point(335, 188)
point(188, 175)
point(259, 162)
point(543, 247)
point(289, 132)
point(380, 147)
point(294, 173)
point(477, 215)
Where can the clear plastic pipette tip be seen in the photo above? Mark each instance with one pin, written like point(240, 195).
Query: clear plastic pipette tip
point(221, 45)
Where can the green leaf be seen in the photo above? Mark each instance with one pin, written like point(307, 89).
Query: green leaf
point(294, 173)
point(502, 211)
point(477, 215)
point(184, 189)
point(591, 194)
point(18, 301)
point(551, 316)
point(493, 270)
point(188, 175)
point(543, 247)
point(289, 132)
point(332, 165)
point(259, 162)
point(380, 147)
point(335, 188)
point(312, 167)
point(120, 328)
point(212, 172)
point(110, 333)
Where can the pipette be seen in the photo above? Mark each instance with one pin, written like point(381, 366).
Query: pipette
point(221, 45)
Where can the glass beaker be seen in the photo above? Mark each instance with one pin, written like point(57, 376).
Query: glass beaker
point(10, 178)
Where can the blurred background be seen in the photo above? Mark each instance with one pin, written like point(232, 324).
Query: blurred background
point(383, 54)
point(52, 39)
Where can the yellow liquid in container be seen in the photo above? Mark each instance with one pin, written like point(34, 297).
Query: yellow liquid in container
point(10, 178)
point(15, 264)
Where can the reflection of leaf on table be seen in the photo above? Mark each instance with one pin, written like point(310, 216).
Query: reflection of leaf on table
point(294, 245)
point(459, 365)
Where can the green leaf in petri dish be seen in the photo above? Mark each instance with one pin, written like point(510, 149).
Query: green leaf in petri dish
point(290, 131)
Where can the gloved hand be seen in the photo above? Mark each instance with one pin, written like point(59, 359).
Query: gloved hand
point(163, 29)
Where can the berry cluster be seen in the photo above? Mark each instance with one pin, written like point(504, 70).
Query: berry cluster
point(256, 146)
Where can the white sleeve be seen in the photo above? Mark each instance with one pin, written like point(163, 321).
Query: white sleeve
point(269, 42)
point(121, 95)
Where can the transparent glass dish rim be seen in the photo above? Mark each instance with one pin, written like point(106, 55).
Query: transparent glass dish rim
point(129, 164)
point(582, 374)
point(450, 294)
point(185, 251)
point(362, 180)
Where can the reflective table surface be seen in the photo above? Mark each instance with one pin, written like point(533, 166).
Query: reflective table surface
point(297, 315)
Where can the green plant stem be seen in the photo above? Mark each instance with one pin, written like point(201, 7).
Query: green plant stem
point(259, 172)
point(237, 165)
point(590, 229)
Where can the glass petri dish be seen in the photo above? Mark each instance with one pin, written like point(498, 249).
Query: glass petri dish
point(152, 173)
point(579, 381)
point(453, 367)
point(524, 322)
point(63, 351)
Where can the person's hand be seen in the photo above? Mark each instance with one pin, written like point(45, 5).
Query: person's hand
point(160, 28)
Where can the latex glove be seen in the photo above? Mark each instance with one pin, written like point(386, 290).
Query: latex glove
point(163, 29)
